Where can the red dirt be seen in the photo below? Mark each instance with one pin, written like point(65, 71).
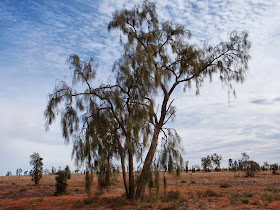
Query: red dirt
point(200, 191)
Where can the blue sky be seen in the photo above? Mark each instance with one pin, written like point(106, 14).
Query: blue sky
point(36, 37)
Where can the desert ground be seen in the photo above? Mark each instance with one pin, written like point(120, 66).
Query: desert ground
point(199, 190)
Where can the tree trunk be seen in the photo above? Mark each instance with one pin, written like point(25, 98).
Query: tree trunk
point(123, 169)
point(131, 177)
point(144, 176)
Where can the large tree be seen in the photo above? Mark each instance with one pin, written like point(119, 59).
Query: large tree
point(122, 119)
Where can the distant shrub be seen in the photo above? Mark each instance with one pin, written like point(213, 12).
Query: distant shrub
point(210, 193)
point(174, 195)
point(248, 194)
point(267, 196)
point(245, 200)
point(193, 182)
point(251, 168)
point(183, 181)
point(225, 185)
point(61, 183)
point(274, 168)
point(22, 189)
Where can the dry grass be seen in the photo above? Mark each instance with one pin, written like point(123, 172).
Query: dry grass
point(215, 190)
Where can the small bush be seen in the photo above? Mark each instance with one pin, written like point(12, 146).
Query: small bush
point(248, 194)
point(193, 182)
point(183, 181)
point(210, 193)
point(272, 189)
point(267, 196)
point(245, 200)
point(22, 189)
point(61, 183)
point(174, 195)
point(225, 185)
point(76, 189)
point(235, 195)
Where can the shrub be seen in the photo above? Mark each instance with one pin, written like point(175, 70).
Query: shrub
point(183, 181)
point(210, 193)
point(193, 182)
point(267, 196)
point(22, 189)
point(61, 183)
point(251, 168)
point(248, 194)
point(274, 168)
point(68, 172)
point(245, 200)
point(174, 195)
point(225, 185)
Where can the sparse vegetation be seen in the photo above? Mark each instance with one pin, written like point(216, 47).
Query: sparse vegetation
point(225, 185)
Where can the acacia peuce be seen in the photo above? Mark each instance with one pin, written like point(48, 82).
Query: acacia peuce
point(123, 120)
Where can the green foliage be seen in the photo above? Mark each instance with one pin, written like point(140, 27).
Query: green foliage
point(216, 160)
point(251, 168)
point(274, 168)
point(268, 196)
point(248, 194)
point(68, 172)
point(206, 163)
point(183, 181)
point(121, 119)
point(193, 182)
point(61, 182)
point(37, 171)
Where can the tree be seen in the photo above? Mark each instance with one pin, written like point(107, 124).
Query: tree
point(206, 163)
point(123, 119)
point(265, 166)
point(37, 171)
point(26, 173)
point(18, 171)
point(46, 171)
point(216, 160)
point(53, 170)
point(230, 164)
point(9, 173)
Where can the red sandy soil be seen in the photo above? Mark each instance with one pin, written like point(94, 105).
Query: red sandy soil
point(200, 190)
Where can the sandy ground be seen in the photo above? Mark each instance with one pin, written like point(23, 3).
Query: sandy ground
point(200, 190)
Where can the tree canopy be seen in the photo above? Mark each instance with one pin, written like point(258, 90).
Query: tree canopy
point(123, 120)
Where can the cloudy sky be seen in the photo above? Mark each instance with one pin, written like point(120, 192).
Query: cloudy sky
point(36, 37)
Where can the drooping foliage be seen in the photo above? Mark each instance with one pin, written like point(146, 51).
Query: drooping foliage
point(123, 120)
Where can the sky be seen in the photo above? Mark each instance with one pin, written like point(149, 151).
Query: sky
point(36, 37)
